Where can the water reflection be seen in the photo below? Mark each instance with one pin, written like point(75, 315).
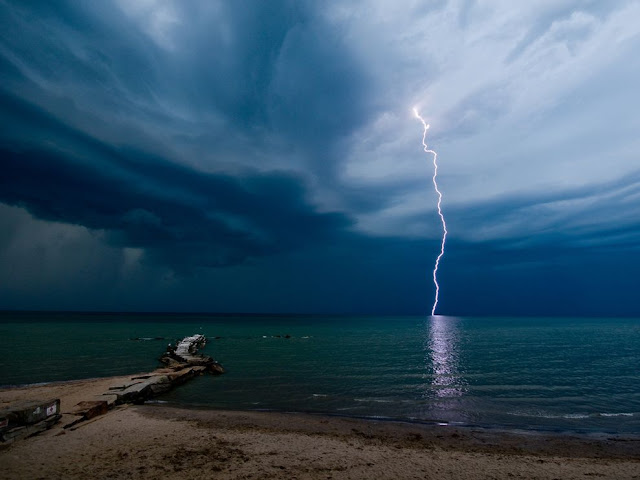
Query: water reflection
point(443, 357)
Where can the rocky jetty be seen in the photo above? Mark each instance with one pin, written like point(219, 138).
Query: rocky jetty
point(185, 354)
point(182, 362)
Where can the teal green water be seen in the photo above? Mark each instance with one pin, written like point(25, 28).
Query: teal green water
point(557, 373)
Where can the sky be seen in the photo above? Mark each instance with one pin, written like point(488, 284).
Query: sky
point(251, 156)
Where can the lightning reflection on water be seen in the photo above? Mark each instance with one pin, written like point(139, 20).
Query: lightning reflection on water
point(443, 354)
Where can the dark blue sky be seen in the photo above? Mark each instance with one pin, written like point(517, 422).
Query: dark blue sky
point(257, 156)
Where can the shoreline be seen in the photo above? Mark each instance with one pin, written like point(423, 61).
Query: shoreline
point(95, 384)
point(447, 436)
point(504, 428)
point(165, 441)
point(63, 382)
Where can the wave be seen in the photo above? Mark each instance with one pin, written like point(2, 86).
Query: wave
point(570, 416)
point(376, 400)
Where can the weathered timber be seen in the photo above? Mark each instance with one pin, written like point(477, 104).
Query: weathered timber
point(28, 418)
point(28, 413)
point(29, 430)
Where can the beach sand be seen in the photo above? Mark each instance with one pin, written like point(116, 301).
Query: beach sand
point(154, 441)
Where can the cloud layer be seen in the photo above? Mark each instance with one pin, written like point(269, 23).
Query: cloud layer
point(198, 146)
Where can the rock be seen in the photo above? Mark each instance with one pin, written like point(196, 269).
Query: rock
point(123, 386)
point(170, 361)
point(29, 413)
point(110, 398)
point(179, 376)
point(136, 393)
point(25, 431)
point(90, 408)
point(216, 368)
point(184, 352)
point(14, 434)
point(160, 384)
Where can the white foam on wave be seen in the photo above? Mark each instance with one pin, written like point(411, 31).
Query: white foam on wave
point(376, 400)
point(548, 415)
point(570, 416)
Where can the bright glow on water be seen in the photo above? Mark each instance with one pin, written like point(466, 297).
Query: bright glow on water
point(443, 357)
point(579, 374)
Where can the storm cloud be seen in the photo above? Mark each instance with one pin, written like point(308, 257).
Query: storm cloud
point(181, 217)
point(266, 151)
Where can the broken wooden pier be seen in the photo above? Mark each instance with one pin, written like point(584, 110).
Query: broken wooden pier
point(28, 418)
point(182, 362)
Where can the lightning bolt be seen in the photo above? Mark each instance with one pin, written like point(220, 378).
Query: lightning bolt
point(425, 126)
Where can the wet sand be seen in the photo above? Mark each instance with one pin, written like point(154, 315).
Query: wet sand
point(154, 441)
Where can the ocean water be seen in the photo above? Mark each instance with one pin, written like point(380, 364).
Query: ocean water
point(577, 374)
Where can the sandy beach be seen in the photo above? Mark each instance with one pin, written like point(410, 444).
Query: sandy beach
point(156, 442)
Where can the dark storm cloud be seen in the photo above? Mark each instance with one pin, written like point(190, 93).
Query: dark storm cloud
point(245, 73)
point(276, 139)
point(270, 70)
point(77, 46)
point(553, 279)
point(181, 217)
point(600, 215)
point(274, 64)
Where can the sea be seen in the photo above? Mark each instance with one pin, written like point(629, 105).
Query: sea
point(556, 374)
